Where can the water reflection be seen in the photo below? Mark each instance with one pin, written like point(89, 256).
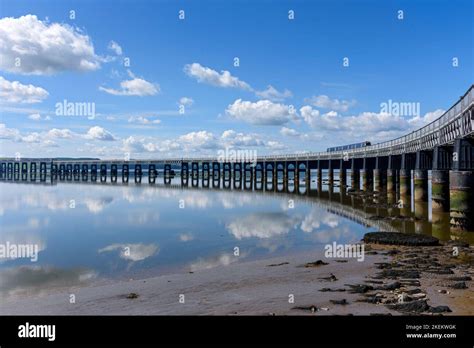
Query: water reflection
point(88, 230)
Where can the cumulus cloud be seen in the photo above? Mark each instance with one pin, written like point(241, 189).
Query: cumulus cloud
point(212, 77)
point(134, 87)
point(273, 94)
point(113, 46)
point(324, 102)
point(8, 133)
point(262, 112)
point(140, 145)
point(232, 138)
point(56, 133)
point(364, 122)
point(202, 139)
point(44, 48)
point(99, 133)
point(143, 120)
point(419, 121)
point(15, 92)
point(186, 101)
point(289, 132)
point(31, 138)
point(35, 117)
point(373, 126)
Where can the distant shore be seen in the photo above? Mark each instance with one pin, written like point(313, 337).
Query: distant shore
point(385, 283)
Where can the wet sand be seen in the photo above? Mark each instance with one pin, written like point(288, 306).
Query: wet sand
point(265, 287)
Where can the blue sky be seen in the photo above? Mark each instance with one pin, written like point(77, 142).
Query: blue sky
point(314, 100)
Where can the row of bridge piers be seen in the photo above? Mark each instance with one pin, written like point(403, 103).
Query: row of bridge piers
point(404, 175)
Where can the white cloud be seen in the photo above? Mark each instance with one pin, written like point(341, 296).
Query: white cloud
point(143, 120)
point(212, 77)
point(202, 139)
point(56, 133)
point(35, 117)
point(140, 145)
point(15, 92)
point(115, 47)
point(44, 48)
point(323, 101)
point(232, 138)
point(134, 87)
point(186, 101)
point(273, 94)
point(429, 117)
point(275, 145)
point(289, 132)
point(369, 125)
point(99, 133)
point(8, 133)
point(31, 138)
point(263, 112)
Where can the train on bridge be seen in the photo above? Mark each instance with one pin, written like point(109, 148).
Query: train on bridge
point(349, 147)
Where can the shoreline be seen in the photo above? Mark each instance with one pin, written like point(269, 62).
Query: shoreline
point(265, 287)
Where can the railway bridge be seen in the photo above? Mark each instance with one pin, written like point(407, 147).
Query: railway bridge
point(445, 147)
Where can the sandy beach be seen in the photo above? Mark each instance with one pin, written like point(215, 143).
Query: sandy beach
point(266, 287)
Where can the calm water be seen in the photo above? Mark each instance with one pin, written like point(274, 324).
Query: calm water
point(95, 232)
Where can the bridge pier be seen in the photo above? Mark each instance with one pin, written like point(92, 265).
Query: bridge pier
point(330, 173)
point(307, 178)
point(440, 216)
point(442, 162)
point(319, 175)
point(355, 175)
point(420, 177)
point(407, 164)
point(367, 174)
point(380, 173)
point(342, 173)
point(461, 186)
point(391, 175)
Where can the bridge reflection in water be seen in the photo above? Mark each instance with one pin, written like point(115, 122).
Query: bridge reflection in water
point(382, 209)
point(399, 167)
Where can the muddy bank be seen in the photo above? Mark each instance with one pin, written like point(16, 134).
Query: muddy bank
point(392, 280)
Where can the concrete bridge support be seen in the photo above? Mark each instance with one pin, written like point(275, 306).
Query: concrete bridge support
point(442, 162)
point(330, 173)
point(319, 176)
point(380, 173)
point(407, 164)
point(461, 186)
point(367, 174)
point(391, 174)
point(342, 173)
point(307, 178)
point(355, 174)
point(440, 219)
point(420, 177)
